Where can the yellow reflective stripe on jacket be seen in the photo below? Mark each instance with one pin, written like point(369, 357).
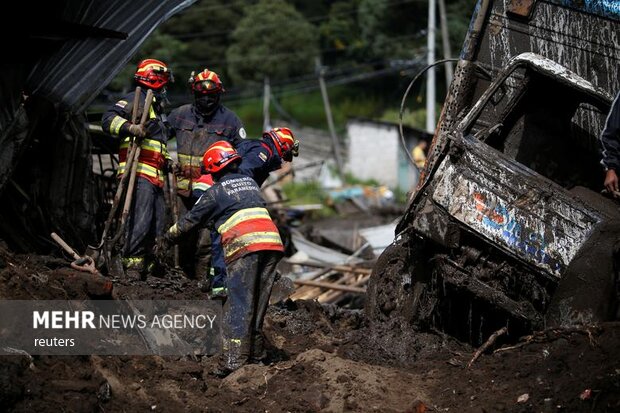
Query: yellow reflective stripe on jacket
point(182, 183)
point(200, 186)
point(251, 238)
point(243, 215)
point(150, 144)
point(116, 124)
point(153, 145)
point(142, 168)
point(193, 160)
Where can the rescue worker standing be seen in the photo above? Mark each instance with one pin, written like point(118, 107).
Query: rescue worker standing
point(197, 126)
point(252, 249)
point(147, 215)
point(610, 142)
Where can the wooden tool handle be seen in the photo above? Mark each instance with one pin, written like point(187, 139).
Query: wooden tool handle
point(65, 246)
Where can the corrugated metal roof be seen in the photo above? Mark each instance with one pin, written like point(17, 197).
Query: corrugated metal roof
point(78, 71)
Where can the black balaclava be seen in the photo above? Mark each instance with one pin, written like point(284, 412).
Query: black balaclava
point(207, 104)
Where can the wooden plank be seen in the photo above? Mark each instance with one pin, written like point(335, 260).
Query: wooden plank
point(332, 286)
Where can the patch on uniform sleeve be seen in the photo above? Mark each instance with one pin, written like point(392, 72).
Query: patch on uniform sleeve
point(121, 103)
point(263, 156)
point(242, 133)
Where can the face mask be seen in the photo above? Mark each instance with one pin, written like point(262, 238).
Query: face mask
point(207, 104)
point(161, 96)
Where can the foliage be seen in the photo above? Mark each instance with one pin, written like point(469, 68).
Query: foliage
point(307, 193)
point(272, 40)
point(244, 40)
point(159, 46)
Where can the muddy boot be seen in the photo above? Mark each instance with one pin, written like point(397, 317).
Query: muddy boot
point(134, 268)
point(258, 352)
point(231, 358)
point(219, 294)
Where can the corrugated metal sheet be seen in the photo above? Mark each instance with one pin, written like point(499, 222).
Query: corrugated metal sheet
point(78, 71)
point(379, 237)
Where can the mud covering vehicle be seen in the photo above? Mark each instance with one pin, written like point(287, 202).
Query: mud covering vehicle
point(508, 226)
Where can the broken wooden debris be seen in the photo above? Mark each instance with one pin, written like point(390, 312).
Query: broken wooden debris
point(332, 286)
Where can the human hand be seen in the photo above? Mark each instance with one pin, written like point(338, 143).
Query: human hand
point(139, 131)
point(611, 181)
point(162, 245)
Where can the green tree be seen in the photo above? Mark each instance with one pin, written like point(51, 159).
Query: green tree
point(340, 33)
point(158, 46)
point(274, 40)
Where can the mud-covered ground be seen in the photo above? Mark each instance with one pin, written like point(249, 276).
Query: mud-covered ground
point(322, 359)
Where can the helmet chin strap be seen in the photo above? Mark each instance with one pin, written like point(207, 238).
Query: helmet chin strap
point(162, 96)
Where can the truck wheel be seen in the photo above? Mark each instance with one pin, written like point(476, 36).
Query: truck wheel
point(391, 292)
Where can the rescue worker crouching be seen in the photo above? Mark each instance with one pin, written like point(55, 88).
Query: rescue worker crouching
point(197, 126)
point(252, 248)
point(259, 157)
point(147, 215)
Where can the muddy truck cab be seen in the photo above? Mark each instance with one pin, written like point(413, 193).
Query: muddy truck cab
point(508, 226)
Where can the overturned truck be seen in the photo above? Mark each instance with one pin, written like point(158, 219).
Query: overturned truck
point(508, 225)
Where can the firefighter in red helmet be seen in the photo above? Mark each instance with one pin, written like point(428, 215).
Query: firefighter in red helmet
point(252, 248)
point(147, 215)
point(259, 158)
point(197, 126)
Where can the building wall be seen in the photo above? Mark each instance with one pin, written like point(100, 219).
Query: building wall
point(373, 152)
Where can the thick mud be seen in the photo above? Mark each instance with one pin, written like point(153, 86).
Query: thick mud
point(321, 358)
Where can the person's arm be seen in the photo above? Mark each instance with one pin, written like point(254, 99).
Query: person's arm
point(238, 134)
point(115, 120)
point(200, 214)
point(610, 146)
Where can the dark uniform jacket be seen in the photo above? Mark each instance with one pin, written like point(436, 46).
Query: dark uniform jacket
point(258, 159)
point(153, 151)
point(610, 138)
point(195, 133)
point(235, 208)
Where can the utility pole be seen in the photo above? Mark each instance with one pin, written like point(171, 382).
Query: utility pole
point(445, 40)
point(266, 98)
point(430, 78)
point(328, 114)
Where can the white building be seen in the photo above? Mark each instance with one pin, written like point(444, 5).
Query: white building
point(375, 151)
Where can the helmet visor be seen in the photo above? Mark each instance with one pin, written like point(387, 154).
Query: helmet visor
point(206, 87)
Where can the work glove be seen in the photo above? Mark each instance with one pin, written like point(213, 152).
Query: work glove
point(139, 131)
point(162, 245)
point(294, 151)
point(172, 167)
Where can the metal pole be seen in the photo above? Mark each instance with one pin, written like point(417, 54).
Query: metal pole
point(445, 40)
point(266, 97)
point(430, 79)
point(330, 120)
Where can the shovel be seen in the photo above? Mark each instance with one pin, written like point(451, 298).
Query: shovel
point(122, 183)
point(86, 263)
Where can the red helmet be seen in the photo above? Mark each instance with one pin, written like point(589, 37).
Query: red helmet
point(153, 74)
point(205, 82)
point(218, 156)
point(284, 141)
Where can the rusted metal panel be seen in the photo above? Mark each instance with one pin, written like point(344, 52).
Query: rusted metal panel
point(510, 205)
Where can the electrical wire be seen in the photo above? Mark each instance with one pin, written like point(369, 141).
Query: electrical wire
point(402, 103)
